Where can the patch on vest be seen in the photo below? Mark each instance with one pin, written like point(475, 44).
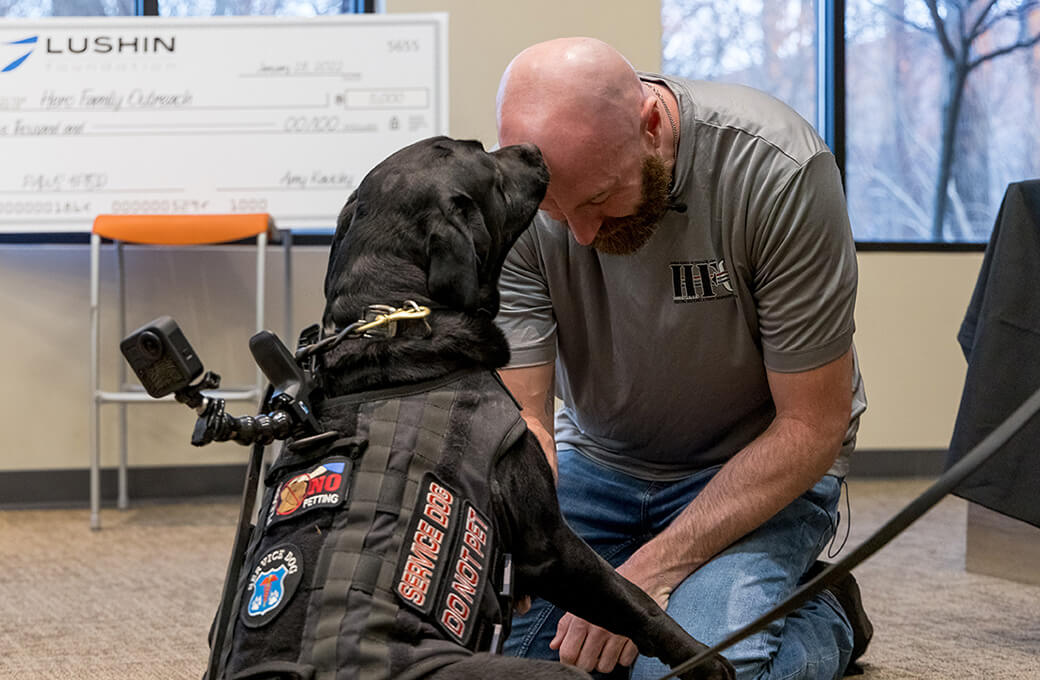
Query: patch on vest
point(272, 584)
point(430, 535)
point(444, 566)
point(459, 604)
point(323, 486)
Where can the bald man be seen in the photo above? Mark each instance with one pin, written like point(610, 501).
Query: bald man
point(687, 290)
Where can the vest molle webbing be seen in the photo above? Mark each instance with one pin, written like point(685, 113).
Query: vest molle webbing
point(376, 556)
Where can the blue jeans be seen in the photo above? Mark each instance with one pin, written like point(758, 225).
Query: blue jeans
point(616, 514)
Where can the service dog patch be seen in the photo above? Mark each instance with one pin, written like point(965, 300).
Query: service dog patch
point(323, 486)
point(272, 584)
point(429, 537)
point(444, 568)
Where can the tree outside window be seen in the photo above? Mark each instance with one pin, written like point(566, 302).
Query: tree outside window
point(943, 113)
point(766, 44)
point(942, 96)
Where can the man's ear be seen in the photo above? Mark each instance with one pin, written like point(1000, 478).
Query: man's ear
point(453, 277)
point(346, 217)
point(651, 120)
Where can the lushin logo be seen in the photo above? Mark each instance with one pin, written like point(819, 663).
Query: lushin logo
point(103, 44)
point(22, 57)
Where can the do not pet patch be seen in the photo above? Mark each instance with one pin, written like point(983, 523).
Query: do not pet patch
point(323, 486)
point(272, 583)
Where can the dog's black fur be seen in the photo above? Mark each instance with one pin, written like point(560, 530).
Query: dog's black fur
point(433, 224)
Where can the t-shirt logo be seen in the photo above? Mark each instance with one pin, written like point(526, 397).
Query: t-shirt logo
point(700, 280)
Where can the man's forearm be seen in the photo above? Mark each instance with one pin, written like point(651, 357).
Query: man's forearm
point(542, 427)
point(535, 388)
point(813, 409)
point(768, 474)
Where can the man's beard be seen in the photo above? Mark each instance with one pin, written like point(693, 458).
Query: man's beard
point(626, 235)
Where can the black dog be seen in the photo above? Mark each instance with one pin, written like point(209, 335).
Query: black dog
point(396, 550)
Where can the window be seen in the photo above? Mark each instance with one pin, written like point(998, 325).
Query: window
point(766, 44)
point(31, 9)
point(86, 8)
point(923, 115)
point(186, 8)
point(933, 133)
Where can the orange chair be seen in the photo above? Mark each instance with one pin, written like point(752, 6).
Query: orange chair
point(156, 230)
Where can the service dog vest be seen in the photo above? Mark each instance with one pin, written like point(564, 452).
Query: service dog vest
point(377, 556)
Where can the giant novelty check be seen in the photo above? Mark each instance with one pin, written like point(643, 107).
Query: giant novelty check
point(215, 115)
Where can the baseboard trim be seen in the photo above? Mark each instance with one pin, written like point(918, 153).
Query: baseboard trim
point(71, 488)
point(898, 463)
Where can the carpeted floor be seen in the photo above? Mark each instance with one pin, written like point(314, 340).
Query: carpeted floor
point(135, 600)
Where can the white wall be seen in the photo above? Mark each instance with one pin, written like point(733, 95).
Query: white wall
point(908, 312)
point(910, 305)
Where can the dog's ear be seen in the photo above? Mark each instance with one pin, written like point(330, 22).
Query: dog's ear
point(453, 277)
point(346, 216)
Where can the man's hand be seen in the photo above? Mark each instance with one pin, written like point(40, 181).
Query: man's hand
point(591, 647)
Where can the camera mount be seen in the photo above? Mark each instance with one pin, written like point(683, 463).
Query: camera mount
point(288, 417)
point(165, 363)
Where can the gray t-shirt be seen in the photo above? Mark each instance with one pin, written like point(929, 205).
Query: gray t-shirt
point(661, 355)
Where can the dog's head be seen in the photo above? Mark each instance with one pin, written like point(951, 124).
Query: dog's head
point(432, 223)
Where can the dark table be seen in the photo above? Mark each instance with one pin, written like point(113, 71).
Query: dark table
point(1000, 337)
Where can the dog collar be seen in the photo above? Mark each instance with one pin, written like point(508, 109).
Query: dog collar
point(381, 321)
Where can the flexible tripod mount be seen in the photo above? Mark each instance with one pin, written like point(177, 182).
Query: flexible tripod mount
point(166, 363)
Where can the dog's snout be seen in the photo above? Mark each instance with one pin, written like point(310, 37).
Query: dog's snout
point(527, 153)
point(531, 152)
point(525, 165)
point(533, 155)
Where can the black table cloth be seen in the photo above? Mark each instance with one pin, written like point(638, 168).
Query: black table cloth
point(1000, 337)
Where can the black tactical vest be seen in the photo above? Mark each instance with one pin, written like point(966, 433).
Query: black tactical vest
point(377, 556)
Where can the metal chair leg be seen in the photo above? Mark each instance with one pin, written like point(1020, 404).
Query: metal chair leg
point(123, 498)
point(290, 333)
point(95, 424)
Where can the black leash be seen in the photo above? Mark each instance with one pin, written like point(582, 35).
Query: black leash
point(880, 538)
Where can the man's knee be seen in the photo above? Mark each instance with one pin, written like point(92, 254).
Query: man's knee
point(813, 643)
